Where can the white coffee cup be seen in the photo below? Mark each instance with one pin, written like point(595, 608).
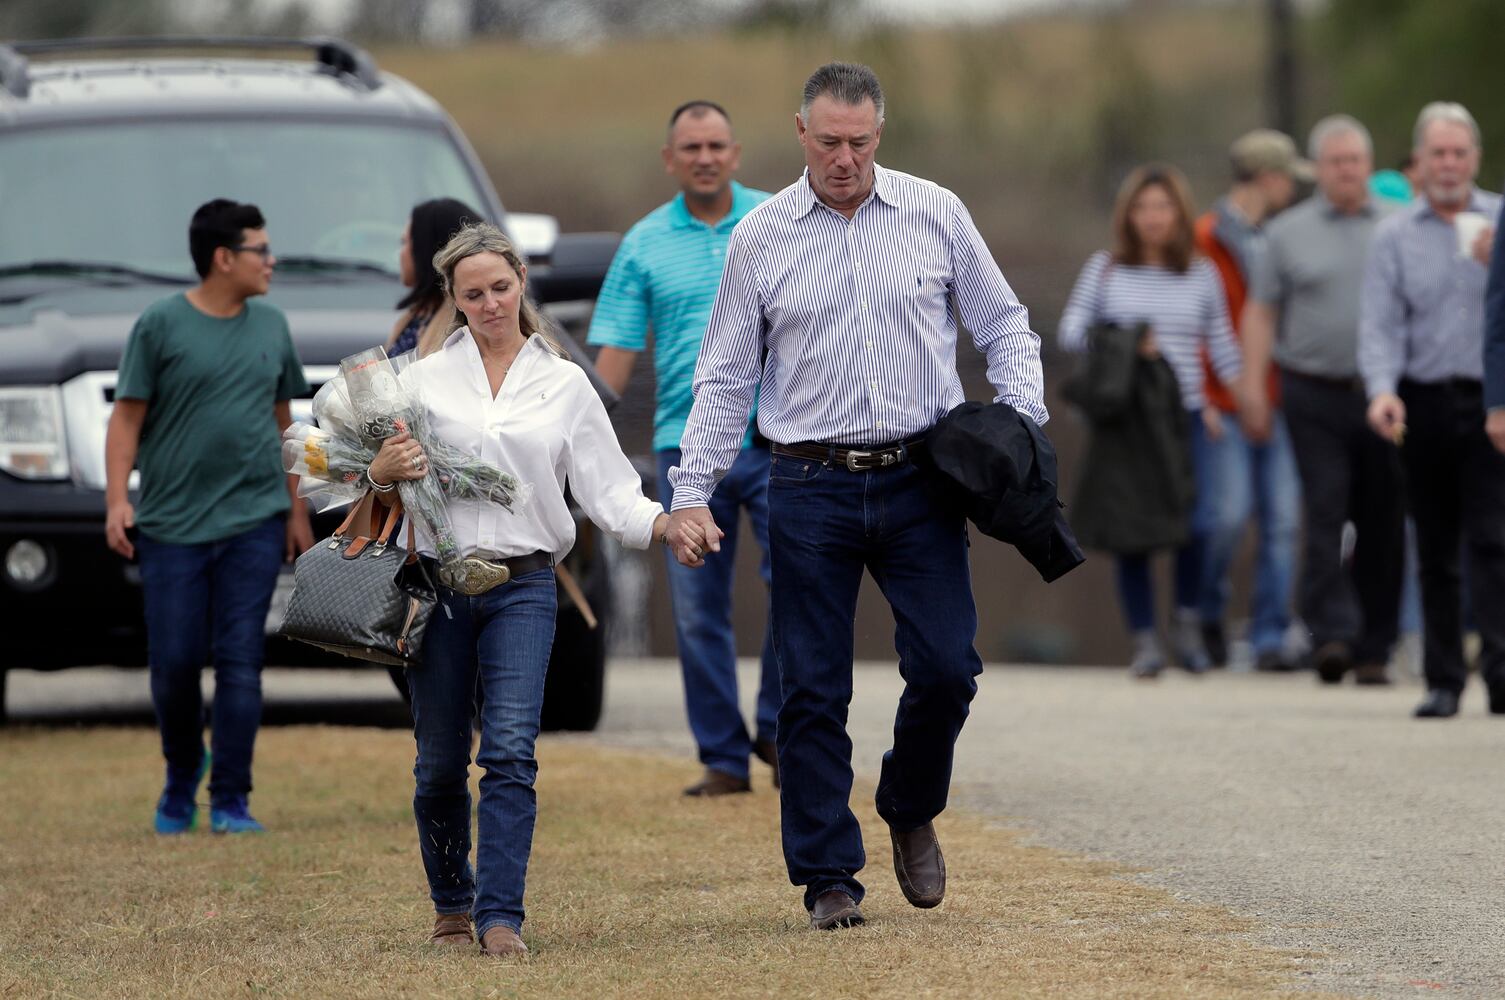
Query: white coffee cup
point(1468, 226)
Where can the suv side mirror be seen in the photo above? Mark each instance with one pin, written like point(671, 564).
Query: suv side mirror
point(576, 268)
point(533, 234)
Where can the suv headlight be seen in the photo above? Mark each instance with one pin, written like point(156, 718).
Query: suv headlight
point(32, 443)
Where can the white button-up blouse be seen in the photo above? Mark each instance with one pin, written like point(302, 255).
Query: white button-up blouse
point(547, 427)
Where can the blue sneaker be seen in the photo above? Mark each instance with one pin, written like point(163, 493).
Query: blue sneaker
point(176, 809)
point(233, 817)
point(175, 815)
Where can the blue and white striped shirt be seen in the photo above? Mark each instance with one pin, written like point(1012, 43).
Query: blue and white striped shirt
point(856, 321)
point(1186, 310)
point(1421, 311)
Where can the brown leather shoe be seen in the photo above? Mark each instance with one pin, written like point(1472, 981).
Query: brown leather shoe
point(1371, 675)
point(716, 782)
point(834, 908)
point(452, 929)
point(768, 752)
point(502, 941)
point(919, 865)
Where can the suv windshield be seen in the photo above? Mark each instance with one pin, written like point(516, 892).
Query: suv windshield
point(122, 193)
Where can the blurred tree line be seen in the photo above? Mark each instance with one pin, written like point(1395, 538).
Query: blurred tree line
point(1379, 59)
point(1389, 57)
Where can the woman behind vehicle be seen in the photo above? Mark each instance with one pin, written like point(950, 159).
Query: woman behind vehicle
point(498, 389)
point(426, 313)
point(1153, 280)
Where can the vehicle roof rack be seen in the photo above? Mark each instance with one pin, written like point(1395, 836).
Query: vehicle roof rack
point(333, 55)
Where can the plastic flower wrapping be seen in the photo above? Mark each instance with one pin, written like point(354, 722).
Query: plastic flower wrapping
point(355, 412)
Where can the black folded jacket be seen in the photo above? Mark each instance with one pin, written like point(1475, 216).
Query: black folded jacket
point(996, 466)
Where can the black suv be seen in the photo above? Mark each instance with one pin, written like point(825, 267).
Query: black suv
point(102, 161)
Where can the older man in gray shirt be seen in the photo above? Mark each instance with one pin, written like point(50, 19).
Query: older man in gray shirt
point(1307, 288)
point(1421, 354)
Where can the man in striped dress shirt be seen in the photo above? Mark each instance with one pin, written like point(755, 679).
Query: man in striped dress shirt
point(835, 298)
point(1421, 354)
point(664, 276)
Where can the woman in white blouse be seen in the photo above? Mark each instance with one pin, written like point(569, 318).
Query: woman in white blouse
point(1154, 277)
point(498, 389)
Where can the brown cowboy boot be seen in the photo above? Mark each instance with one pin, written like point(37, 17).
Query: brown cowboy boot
point(716, 782)
point(502, 941)
point(452, 929)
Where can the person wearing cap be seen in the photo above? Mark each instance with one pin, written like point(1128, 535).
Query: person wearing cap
point(1249, 476)
point(1421, 355)
point(1304, 304)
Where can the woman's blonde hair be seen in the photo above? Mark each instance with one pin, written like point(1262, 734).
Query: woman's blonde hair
point(483, 237)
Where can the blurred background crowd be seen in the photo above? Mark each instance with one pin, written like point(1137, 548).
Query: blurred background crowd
point(1033, 111)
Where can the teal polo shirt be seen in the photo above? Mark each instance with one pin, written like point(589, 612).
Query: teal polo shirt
point(665, 275)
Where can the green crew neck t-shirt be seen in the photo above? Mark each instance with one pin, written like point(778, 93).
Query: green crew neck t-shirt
point(210, 455)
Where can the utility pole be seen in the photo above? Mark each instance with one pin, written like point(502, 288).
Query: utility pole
point(1282, 68)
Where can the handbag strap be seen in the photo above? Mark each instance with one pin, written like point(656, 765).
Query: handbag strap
point(380, 528)
point(363, 504)
point(393, 513)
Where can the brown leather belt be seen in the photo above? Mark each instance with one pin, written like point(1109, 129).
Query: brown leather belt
point(473, 576)
point(855, 459)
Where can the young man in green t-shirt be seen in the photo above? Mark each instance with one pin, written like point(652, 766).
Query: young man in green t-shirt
point(200, 404)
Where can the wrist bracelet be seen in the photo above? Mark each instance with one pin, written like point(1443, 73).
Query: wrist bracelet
point(378, 487)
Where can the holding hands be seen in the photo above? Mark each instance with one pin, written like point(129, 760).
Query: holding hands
point(691, 533)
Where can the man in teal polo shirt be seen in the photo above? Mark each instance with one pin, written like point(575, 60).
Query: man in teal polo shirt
point(665, 276)
point(200, 404)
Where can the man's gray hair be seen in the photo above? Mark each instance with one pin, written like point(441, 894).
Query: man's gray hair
point(849, 83)
point(1444, 111)
point(1334, 125)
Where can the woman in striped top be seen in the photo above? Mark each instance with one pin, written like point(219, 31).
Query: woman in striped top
point(1154, 277)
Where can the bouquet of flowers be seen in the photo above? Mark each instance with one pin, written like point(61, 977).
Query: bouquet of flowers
point(359, 409)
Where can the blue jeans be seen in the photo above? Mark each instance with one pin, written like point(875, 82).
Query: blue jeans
point(1136, 590)
point(209, 602)
point(826, 525)
point(1260, 479)
point(503, 636)
point(702, 602)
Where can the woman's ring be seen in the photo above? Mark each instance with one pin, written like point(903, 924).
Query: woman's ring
point(417, 462)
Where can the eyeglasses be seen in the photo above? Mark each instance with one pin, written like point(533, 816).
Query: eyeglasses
point(263, 251)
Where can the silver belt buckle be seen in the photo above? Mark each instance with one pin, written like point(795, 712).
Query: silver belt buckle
point(886, 457)
point(474, 576)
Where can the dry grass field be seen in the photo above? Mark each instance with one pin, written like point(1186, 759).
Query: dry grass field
point(634, 892)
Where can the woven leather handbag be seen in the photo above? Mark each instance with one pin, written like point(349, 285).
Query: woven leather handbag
point(356, 594)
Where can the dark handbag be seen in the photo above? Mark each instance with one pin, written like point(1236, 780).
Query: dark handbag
point(357, 595)
point(1102, 385)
